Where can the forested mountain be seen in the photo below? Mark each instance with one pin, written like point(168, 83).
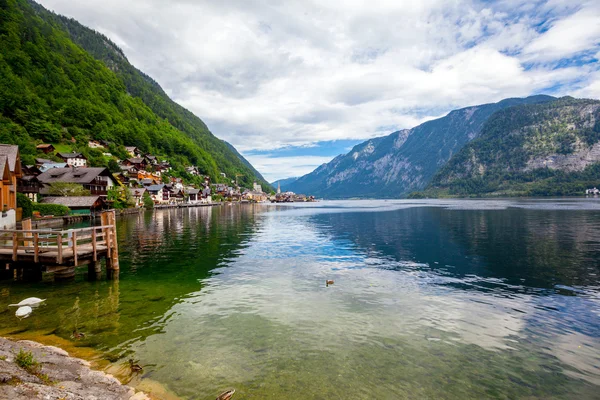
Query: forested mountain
point(404, 161)
point(543, 149)
point(63, 81)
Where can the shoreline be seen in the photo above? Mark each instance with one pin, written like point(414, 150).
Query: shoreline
point(69, 371)
point(51, 372)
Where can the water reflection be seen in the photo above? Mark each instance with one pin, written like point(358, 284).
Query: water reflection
point(428, 302)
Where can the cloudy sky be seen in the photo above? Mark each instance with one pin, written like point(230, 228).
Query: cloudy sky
point(291, 84)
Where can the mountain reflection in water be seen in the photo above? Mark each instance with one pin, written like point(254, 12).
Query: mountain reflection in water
point(432, 299)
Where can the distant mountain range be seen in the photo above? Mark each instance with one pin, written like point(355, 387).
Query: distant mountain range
point(405, 161)
point(542, 149)
point(284, 184)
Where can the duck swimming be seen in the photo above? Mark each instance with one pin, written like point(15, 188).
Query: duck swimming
point(135, 367)
point(77, 335)
point(226, 395)
point(329, 282)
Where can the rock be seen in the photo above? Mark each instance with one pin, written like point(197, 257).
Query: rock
point(60, 376)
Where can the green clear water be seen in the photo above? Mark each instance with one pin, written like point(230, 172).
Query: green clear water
point(444, 300)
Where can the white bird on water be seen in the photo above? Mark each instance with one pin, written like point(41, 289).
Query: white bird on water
point(29, 302)
point(23, 312)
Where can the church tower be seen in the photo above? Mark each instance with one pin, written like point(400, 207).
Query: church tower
point(278, 187)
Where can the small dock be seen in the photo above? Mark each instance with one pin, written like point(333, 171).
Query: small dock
point(27, 253)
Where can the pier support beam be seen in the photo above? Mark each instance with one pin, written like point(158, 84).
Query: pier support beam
point(66, 274)
point(94, 270)
point(6, 272)
point(32, 273)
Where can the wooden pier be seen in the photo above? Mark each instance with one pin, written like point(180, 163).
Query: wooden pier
point(28, 253)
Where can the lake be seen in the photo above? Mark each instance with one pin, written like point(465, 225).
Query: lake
point(455, 299)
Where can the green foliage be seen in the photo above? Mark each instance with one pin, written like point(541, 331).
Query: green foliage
point(27, 361)
point(67, 189)
point(148, 202)
point(120, 197)
point(498, 163)
point(26, 204)
point(51, 209)
point(97, 93)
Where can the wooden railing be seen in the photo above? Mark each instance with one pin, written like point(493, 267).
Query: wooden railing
point(65, 243)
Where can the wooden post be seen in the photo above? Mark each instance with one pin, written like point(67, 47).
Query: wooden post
point(105, 231)
point(74, 239)
point(15, 246)
point(115, 246)
point(94, 244)
point(36, 248)
point(59, 247)
point(94, 270)
point(26, 226)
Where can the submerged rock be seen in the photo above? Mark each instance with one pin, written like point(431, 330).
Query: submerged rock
point(58, 376)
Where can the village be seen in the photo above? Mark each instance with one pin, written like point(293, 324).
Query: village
point(64, 182)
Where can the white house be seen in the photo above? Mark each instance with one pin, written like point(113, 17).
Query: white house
point(73, 159)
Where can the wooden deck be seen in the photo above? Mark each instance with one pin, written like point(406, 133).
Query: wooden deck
point(61, 250)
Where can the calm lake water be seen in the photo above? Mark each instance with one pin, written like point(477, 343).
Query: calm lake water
point(432, 299)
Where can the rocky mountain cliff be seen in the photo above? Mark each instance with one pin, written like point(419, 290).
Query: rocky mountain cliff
point(404, 161)
point(542, 149)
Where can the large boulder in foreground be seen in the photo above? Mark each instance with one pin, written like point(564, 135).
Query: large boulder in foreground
point(58, 376)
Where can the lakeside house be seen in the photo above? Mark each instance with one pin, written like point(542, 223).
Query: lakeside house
point(137, 162)
point(593, 192)
point(45, 148)
point(133, 151)
point(97, 180)
point(93, 144)
point(29, 185)
point(73, 159)
point(78, 204)
point(10, 168)
point(138, 196)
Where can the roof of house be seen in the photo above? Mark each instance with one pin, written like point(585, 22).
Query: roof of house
point(155, 188)
point(71, 155)
point(73, 175)
point(73, 201)
point(12, 154)
point(50, 165)
point(43, 146)
point(193, 191)
point(148, 180)
point(135, 160)
point(3, 165)
point(128, 148)
point(137, 191)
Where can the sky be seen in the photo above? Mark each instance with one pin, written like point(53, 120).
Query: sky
point(291, 84)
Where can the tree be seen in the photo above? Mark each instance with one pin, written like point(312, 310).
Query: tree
point(148, 202)
point(113, 166)
point(25, 203)
point(121, 197)
point(67, 189)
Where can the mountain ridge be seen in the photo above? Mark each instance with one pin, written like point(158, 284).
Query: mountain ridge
point(540, 149)
point(404, 161)
point(138, 113)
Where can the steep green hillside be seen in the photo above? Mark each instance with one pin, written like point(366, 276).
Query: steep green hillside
point(543, 149)
point(404, 161)
point(52, 90)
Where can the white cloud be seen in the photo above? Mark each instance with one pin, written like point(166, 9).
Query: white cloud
point(265, 75)
point(566, 37)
